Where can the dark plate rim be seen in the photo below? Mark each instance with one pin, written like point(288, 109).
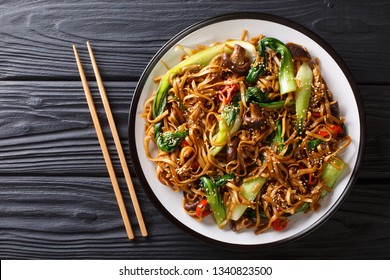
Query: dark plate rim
point(172, 42)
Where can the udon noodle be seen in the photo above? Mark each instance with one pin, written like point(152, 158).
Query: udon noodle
point(267, 140)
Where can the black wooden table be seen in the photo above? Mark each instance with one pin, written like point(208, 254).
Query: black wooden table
point(56, 199)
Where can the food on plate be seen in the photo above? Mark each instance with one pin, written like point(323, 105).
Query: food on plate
point(248, 131)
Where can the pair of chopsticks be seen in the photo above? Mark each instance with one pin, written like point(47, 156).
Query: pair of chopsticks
point(104, 148)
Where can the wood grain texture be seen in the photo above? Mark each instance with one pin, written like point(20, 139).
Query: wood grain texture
point(50, 226)
point(56, 200)
point(35, 37)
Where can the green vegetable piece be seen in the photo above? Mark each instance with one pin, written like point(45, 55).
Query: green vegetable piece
point(256, 71)
point(303, 207)
point(182, 107)
point(312, 144)
point(230, 111)
point(344, 127)
point(229, 123)
point(223, 179)
point(214, 199)
point(169, 141)
point(256, 95)
point(331, 173)
point(286, 71)
point(278, 138)
point(304, 80)
point(276, 104)
point(249, 190)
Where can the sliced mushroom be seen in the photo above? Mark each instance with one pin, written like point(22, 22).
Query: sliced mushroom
point(298, 52)
point(255, 118)
point(238, 55)
point(334, 109)
point(231, 152)
point(236, 61)
point(190, 205)
point(243, 223)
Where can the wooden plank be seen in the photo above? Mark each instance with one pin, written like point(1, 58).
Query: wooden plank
point(46, 128)
point(77, 217)
point(36, 37)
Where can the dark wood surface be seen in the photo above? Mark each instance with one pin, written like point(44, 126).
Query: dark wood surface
point(56, 200)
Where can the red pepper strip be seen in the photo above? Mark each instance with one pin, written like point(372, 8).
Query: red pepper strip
point(279, 224)
point(229, 90)
point(323, 132)
point(310, 175)
point(202, 209)
point(310, 181)
point(184, 143)
point(335, 128)
point(316, 114)
point(195, 164)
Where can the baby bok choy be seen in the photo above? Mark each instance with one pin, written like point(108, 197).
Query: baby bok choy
point(304, 80)
point(249, 191)
point(331, 172)
point(228, 124)
point(286, 69)
point(256, 70)
point(213, 196)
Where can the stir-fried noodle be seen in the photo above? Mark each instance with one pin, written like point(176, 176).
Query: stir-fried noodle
point(266, 142)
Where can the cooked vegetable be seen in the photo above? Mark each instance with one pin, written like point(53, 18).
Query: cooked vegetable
point(214, 200)
point(286, 70)
point(169, 141)
point(228, 123)
point(304, 80)
point(276, 105)
point(335, 129)
point(223, 179)
point(280, 224)
point(254, 94)
point(256, 70)
point(202, 208)
point(298, 52)
point(278, 138)
point(303, 207)
point(237, 61)
point(331, 173)
point(312, 144)
point(255, 119)
point(249, 191)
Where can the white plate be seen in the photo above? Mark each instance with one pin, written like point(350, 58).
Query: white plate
point(339, 81)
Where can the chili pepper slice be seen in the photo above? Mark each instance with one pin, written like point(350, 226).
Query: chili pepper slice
point(202, 209)
point(228, 89)
point(279, 224)
point(184, 143)
point(335, 129)
point(316, 114)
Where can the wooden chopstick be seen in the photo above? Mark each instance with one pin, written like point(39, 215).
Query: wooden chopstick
point(104, 148)
point(117, 141)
